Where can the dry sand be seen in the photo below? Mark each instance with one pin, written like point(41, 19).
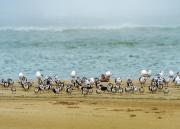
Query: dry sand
point(25, 110)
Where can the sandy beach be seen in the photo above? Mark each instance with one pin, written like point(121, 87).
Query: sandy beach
point(89, 64)
point(98, 111)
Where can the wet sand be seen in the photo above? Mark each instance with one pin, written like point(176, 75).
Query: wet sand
point(26, 110)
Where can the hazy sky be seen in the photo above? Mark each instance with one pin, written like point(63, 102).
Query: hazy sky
point(89, 12)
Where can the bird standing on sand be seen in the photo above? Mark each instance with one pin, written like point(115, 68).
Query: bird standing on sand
point(177, 79)
point(39, 77)
point(149, 73)
point(105, 77)
point(108, 73)
point(73, 74)
point(171, 74)
point(144, 73)
point(118, 81)
point(21, 75)
point(161, 74)
point(142, 80)
point(7, 83)
point(38, 74)
point(22, 78)
point(170, 78)
point(91, 80)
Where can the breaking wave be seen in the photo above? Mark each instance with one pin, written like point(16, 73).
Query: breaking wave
point(62, 29)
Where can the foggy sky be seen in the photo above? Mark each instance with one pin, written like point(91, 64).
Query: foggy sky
point(89, 12)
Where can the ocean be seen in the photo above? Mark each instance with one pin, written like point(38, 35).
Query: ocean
point(89, 51)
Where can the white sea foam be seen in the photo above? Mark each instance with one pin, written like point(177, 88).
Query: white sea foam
point(60, 28)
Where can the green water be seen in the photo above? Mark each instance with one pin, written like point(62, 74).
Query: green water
point(124, 51)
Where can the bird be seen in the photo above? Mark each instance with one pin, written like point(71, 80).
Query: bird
point(87, 82)
point(73, 74)
point(149, 73)
point(91, 80)
point(177, 80)
point(142, 80)
point(39, 77)
point(144, 72)
point(108, 73)
point(22, 78)
point(118, 80)
point(171, 74)
point(21, 75)
point(38, 74)
point(161, 73)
